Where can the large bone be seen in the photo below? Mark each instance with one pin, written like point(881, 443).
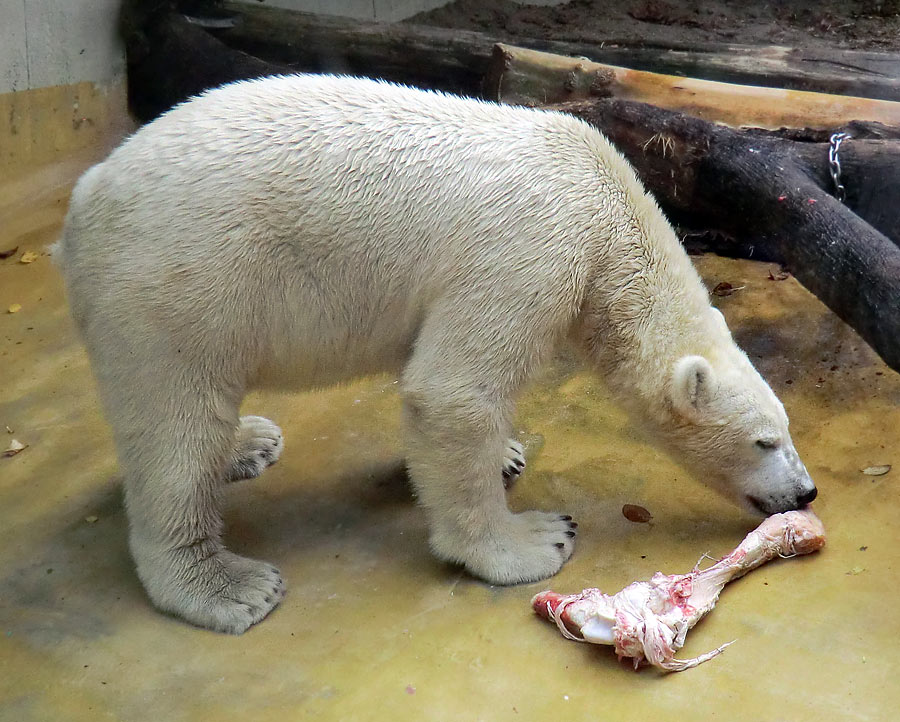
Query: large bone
point(648, 621)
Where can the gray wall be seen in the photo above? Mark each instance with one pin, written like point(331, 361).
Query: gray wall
point(59, 42)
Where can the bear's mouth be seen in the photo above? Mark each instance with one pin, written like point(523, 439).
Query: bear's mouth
point(758, 504)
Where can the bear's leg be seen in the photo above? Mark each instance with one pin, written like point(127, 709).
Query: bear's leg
point(258, 444)
point(175, 445)
point(457, 421)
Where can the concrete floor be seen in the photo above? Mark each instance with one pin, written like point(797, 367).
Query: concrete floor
point(373, 628)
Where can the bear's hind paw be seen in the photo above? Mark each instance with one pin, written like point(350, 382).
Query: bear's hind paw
point(258, 445)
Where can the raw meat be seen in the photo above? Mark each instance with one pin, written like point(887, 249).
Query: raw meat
point(648, 621)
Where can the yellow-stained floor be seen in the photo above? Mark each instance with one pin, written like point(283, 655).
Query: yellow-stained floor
point(373, 628)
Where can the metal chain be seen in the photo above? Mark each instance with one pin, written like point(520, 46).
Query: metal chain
point(834, 164)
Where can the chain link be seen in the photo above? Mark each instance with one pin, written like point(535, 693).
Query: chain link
point(834, 164)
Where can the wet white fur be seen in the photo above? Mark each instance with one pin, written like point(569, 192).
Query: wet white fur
point(299, 231)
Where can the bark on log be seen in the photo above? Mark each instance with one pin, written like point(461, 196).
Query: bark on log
point(452, 60)
point(757, 190)
point(822, 70)
point(529, 77)
point(170, 59)
point(870, 173)
point(458, 59)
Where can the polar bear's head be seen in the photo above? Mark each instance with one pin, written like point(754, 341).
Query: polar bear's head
point(729, 430)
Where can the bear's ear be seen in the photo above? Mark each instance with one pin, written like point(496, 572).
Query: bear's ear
point(692, 385)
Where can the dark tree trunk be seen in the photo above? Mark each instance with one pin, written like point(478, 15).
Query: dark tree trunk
point(171, 59)
point(870, 174)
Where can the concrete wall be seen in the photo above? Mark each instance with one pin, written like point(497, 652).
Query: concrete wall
point(59, 42)
point(62, 80)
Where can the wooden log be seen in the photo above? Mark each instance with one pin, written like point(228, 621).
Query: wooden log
point(452, 60)
point(530, 77)
point(163, 51)
point(821, 70)
point(755, 189)
point(870, 174)
point(457, 59)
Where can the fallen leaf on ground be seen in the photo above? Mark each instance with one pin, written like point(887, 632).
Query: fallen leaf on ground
point(14, 308)
point(6, 254)
point(28, 257)
point(92, 519)
point(637, 514)
point(779, 275)
point(14, 448)
point(725, 289)
point(877, 470)
point(855, 571)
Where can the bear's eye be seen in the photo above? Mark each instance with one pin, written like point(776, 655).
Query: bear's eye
point(767, 443)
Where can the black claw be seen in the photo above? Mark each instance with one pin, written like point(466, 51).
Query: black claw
point(570, 533)
point(560, 545)
point(506, 474)
point(573, 524)
point(566, 517)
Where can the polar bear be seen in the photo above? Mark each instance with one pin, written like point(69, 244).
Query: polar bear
point(303, 230)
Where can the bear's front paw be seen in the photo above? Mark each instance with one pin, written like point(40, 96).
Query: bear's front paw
point(513, 462)
point(526, 547)
point(258, 445)
point(211, 587)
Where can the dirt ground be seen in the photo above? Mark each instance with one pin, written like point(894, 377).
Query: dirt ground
point(849, 24)
point(373, 627)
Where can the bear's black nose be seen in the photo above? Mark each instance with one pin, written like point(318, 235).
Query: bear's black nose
point(807, 497)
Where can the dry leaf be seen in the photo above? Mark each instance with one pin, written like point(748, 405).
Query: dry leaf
point(779, 275)
point(877, 470)
point(856, 570)
point(6, 254)
point(8, 430)
point(28, 257)
point(725, 289)
point(637, 514)
point(92, 519)
point(14, 308)
point(14, 448)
